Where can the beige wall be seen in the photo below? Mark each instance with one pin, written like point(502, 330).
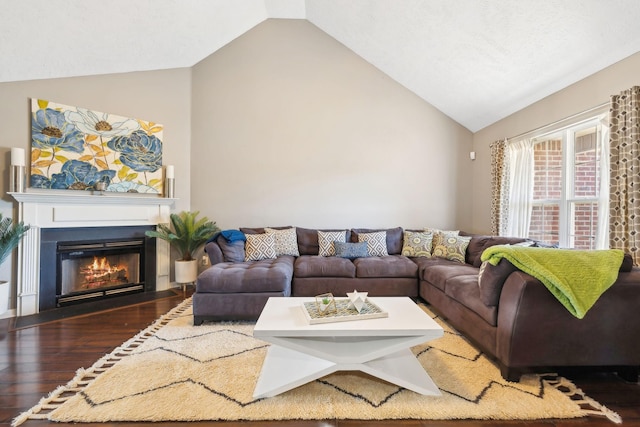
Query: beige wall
point(583, 95)
point(160, 96)
point(291, 128)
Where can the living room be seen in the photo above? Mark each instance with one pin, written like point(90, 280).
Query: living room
point(285, 125)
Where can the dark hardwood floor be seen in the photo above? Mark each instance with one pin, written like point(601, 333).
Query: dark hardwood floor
point(35, 359)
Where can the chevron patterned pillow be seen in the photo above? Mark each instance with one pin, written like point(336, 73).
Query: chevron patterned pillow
point(326, 239)
point(259, 247)
point(376, 242)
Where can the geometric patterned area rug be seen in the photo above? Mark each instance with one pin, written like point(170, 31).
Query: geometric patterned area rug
point(174, 371)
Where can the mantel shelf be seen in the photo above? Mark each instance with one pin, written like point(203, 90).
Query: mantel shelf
point(97, 198)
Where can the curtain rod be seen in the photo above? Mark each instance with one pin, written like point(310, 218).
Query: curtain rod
point(550, 126)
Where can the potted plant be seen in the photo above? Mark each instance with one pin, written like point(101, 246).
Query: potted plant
point(187, 234)
point(10, 235)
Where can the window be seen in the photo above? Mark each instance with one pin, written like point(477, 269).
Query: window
point(566, 186)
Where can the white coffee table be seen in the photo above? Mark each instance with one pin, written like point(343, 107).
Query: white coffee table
point(301, 353)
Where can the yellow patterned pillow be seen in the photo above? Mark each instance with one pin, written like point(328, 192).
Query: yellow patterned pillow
point(450, 246)
point(417, 244)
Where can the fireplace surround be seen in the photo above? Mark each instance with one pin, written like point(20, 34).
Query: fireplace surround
point(76, 217)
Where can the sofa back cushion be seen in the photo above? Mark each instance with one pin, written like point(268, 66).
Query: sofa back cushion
point(231, 251)
point(395, 238)
point(479, 243)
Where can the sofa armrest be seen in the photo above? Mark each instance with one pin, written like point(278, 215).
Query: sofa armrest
point(535, 329)
point(214, 252)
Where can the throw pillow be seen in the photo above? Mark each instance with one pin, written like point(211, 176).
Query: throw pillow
point(376, 242)
point(490, 280)
point(286, 241)
point(439, 235)
point(259, 247)
point(351, 250)
point(326, 239)
point(417, 244)
point(450, 246)
point(437, 230)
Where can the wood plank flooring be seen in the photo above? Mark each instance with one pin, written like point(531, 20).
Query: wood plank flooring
point(34, 360)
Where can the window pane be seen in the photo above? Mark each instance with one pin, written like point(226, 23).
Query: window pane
point(585, 224)
point(587, 164)
point(545, 223)
point(547, 178)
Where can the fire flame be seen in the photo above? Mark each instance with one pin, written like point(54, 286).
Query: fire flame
point(101, 273)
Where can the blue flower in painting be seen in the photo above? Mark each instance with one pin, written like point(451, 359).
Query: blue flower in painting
point(139, 151)
point(40, 181)
point(75, 175)
point(49, 129)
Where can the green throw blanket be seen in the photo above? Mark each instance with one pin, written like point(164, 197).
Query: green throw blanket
point(576, 278)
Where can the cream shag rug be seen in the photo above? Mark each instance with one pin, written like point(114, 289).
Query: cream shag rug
point(174, 371)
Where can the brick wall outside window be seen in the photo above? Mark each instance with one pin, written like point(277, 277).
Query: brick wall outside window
point(547, 193)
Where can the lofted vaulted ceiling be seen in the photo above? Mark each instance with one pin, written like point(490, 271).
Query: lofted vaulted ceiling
point(475, 60)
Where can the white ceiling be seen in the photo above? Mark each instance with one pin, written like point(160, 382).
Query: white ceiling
point(475, 60)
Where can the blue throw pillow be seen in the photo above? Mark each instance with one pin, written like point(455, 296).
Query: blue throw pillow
point(351, 250)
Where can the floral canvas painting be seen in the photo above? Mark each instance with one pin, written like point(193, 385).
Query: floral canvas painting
point(78, 149)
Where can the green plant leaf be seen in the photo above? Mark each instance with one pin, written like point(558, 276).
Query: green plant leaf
point(186, 234)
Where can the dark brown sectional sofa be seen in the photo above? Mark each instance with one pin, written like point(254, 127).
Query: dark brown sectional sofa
point(512, 316)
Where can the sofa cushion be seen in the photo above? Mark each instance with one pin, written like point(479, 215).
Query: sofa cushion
point(231, 251)
point(269, 275)
point(437, 273)
point(386, 266)
point(417, 244)
point(286, 241)
point(464, 289)
point(351, 250)
point(376, 242)
point(450, 247)
point(259, 247)
point(308, 240)
point(479, 243)
point(395, 238)
point(491, 278)
point(326, 240)
point(318, 266)
point(261, 230)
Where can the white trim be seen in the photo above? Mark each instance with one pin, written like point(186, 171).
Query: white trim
point(563, 123)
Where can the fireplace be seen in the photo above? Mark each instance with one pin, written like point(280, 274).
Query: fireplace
point(79, 218)
point(90, 263)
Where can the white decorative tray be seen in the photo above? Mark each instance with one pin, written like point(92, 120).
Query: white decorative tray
point(343, 313)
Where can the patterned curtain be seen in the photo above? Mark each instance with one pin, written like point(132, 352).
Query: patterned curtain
point(499, 188)
point(624, 223)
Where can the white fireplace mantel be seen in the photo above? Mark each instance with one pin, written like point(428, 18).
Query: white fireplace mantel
point(64, 209)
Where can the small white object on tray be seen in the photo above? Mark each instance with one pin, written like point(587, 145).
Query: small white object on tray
point(357, 299)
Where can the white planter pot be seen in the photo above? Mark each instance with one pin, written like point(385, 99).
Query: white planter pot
point(5, 292)
point(186, 271)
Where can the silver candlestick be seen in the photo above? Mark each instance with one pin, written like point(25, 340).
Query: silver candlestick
point(16, 181)
point(170, 188)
